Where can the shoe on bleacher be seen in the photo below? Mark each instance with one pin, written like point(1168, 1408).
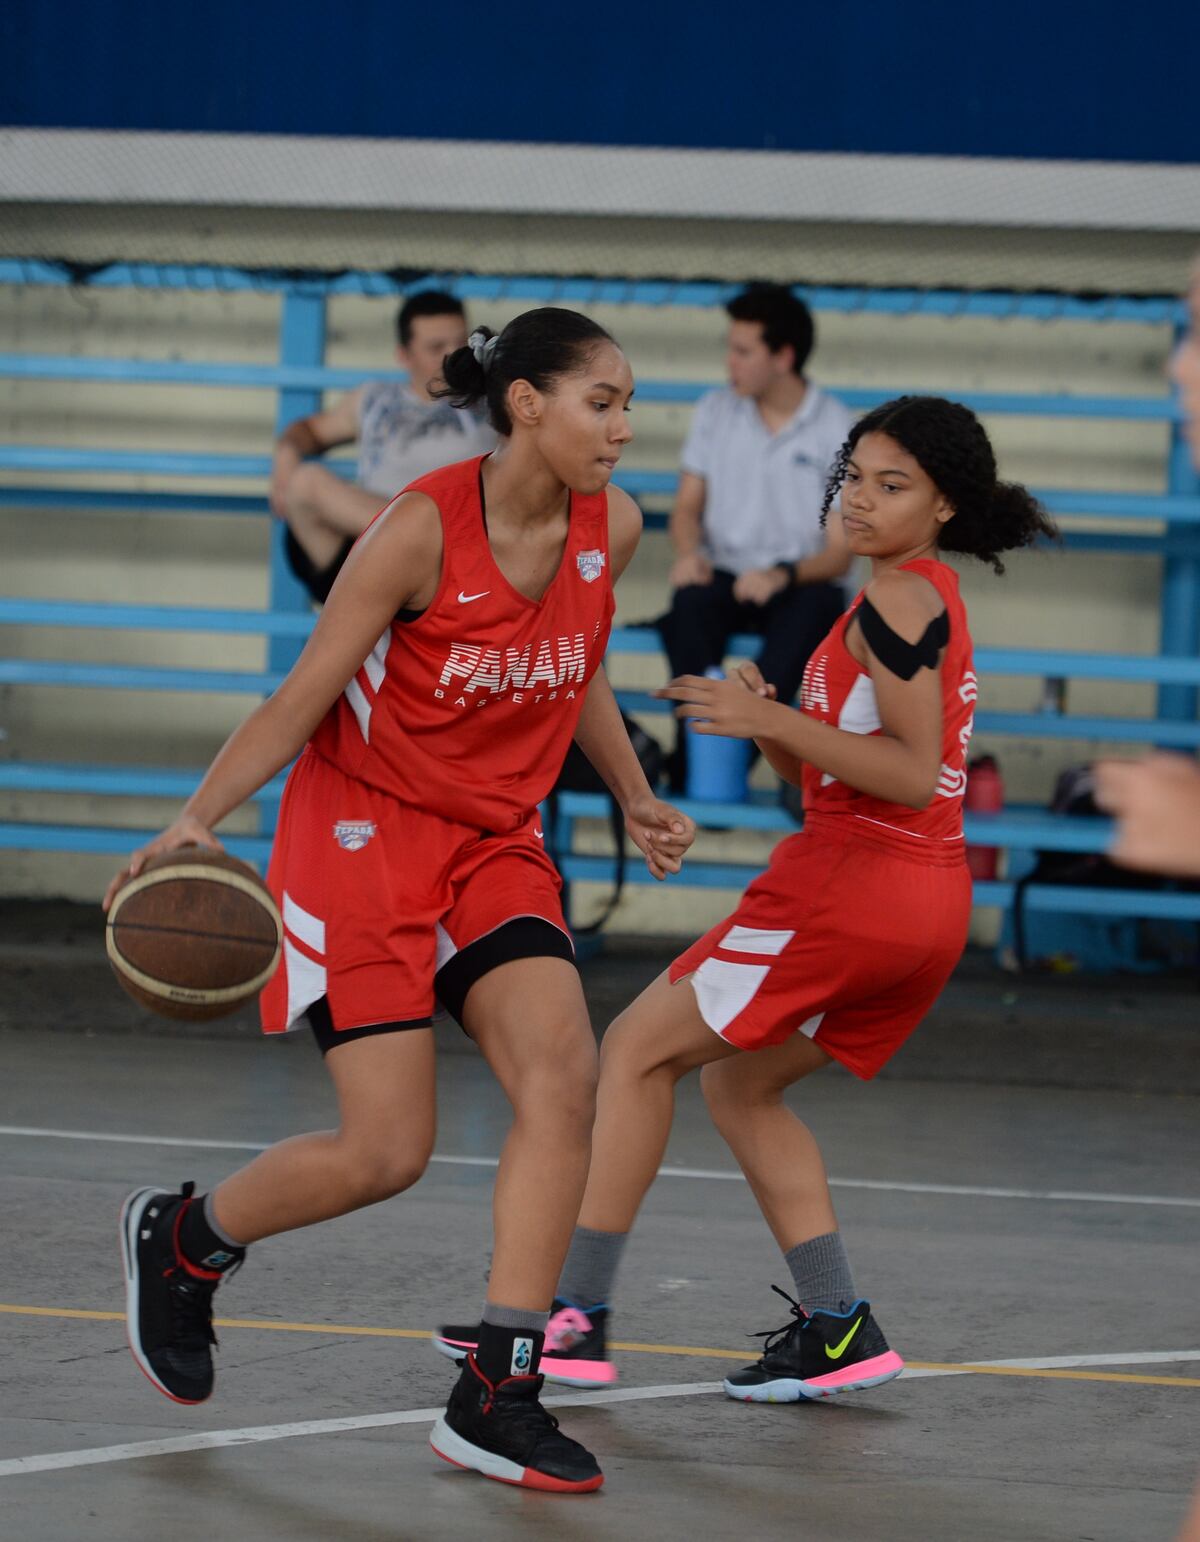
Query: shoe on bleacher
point(817, 1355)
point(575, 1354)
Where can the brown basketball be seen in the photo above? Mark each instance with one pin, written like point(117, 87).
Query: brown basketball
point(194, 935)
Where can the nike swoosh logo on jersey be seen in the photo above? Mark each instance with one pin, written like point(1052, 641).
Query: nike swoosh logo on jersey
point(465, 599)
point(839, 1350)
point(539, 835)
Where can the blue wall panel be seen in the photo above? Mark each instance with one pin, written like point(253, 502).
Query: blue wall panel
point(1024, 78)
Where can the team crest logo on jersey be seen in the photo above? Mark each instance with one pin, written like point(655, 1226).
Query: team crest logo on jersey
point(591, 565)
point(353, 834)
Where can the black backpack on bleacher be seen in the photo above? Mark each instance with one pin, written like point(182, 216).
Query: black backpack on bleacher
point(1075, 793)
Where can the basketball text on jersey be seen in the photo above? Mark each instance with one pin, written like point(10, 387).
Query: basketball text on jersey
point(485, 674)
point(411, 710)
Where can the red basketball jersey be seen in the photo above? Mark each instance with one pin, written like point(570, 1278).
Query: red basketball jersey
point(838, 690)
point(468, 712)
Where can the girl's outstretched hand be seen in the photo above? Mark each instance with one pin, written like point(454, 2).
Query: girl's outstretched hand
point(729, 707)
point(186, 831)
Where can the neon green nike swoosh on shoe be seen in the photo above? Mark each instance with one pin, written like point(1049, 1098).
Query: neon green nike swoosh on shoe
point(839, 1350)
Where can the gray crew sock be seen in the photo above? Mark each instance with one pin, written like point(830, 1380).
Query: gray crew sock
point(215, 1226)
point(591, 1267)
point(821, 1272)
point(514, 1317)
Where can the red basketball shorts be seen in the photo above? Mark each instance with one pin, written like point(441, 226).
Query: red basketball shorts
point(847, 937)
point(377, 896)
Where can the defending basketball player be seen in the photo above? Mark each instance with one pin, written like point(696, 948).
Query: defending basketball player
point(459, 653)
point(842, 946)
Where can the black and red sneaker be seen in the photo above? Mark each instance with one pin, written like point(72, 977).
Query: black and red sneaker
point(501, 1430)
point(168, 1300)
point(575, 1354)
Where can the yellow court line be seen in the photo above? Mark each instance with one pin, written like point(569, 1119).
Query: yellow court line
point(344, 1330)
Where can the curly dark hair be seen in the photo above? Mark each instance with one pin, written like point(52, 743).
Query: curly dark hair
point(951, 446)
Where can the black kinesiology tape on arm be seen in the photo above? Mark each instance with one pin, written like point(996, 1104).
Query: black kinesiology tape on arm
point(895, 652)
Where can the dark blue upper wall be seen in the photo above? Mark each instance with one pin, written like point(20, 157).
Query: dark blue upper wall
point(1025, 78)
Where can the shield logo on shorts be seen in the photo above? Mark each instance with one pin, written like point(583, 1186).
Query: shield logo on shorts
point(591, 565)
point(353, 834)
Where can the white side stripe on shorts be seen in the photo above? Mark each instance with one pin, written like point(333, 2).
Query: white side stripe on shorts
point(749, 939)
point(446, 947)
point(305, 981)
point(723, 989)
point(308, 928)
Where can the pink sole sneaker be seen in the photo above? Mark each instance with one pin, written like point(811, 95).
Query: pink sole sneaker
point(851, 1378)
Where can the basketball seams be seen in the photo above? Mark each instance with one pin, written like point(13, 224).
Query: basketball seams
point(208, 996)
point(196, 872)
point(206, 868)
point(238, 939)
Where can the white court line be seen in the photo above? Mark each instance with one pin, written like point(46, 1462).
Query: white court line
point(1079, 1362)
point(209, 1440)
point(713, 1174)
point(256, 1434)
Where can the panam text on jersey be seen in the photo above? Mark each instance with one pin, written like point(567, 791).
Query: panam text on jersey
point(469, 710)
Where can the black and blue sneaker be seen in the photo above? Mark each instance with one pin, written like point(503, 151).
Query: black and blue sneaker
point(816, 1355)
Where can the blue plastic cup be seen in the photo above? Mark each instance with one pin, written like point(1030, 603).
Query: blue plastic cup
point(717, 767)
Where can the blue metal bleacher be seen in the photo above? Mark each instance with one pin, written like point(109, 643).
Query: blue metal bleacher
point(1171, 521)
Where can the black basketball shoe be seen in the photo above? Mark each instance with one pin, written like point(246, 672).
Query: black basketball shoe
point(575, 1353)
point(168, 1300)
point(816, 1355)
point(502, 1431)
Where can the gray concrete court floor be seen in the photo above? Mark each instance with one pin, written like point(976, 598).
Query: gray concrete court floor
point(327, 1324)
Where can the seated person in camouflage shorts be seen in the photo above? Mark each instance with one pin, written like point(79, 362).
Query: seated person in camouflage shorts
point(402, 433)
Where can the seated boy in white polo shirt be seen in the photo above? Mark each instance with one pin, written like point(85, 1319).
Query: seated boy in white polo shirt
point(750, 553)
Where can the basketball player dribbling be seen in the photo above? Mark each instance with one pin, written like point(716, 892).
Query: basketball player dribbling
point(459, 654)
point(841, 947)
